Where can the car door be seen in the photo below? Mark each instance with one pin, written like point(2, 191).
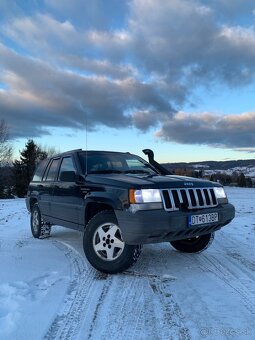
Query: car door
point(47, 187)
point(67, 198)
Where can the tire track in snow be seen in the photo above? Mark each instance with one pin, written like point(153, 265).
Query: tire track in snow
point(117, 314)
point(98, 307)
point(133, 310)
point(165, 319)
point(242, 261)
point(81, 297)
point(130, 305)
point(173, 318)
point(221, 270)
point(231, 247)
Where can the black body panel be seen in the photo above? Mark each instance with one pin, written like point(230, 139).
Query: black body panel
point(103, 183)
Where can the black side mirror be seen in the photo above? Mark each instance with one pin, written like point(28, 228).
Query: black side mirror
point(68, 176)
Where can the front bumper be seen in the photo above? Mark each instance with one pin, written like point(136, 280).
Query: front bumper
point(152, 226)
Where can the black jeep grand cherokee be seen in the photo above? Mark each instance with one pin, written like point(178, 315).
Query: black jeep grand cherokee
point(120, 202)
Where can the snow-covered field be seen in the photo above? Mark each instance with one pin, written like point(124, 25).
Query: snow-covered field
point(247, 171)
point(48, 289)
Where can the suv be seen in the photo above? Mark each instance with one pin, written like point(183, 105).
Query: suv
point(120, 201)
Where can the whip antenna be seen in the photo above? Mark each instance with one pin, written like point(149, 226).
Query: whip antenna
point(86, 136)
point(86, 157)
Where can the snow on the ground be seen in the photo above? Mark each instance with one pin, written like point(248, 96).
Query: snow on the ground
point(48, 290)
point(247, 171)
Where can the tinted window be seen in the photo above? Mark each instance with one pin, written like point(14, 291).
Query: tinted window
point(97, 162)
point(52, 170)
point(40, 170)
point(66, 165)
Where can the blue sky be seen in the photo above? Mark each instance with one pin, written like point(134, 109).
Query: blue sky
point(174, 76)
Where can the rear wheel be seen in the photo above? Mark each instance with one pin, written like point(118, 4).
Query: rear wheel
point(104, 246)
point(194, 244)
point(39, 228)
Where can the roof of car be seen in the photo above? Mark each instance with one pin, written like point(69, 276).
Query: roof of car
point(88, 151)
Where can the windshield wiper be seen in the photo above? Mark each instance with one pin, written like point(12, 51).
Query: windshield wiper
point(113, 171)
point(106, 171)
point(137, 172)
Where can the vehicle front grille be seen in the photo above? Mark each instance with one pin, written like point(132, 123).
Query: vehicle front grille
point(195, 198)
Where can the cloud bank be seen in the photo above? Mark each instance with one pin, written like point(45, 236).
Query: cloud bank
point(130, 64)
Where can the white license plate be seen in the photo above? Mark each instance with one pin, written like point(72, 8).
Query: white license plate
point(203, 219)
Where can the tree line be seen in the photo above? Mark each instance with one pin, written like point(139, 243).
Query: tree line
point(236, 179)
point(16, 175)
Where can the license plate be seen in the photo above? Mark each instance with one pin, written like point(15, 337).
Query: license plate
point(203, 219)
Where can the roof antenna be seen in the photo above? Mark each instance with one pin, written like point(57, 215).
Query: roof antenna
point(86, 159)
point(86, 137)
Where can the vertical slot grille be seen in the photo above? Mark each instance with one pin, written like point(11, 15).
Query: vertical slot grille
point(167, 202)
point(192, 196)
point(196, 198)
point(213, 196)
point(200, 197)
point(176, 198)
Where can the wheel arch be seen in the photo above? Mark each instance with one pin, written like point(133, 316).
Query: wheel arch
point(32, 202)
point(94, 207)
point(95, 204)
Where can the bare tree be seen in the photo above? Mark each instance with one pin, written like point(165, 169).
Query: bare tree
point(5, 147)
point(49, 150)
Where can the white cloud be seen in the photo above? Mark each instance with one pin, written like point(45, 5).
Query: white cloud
point(210, 129)
point(68, 62)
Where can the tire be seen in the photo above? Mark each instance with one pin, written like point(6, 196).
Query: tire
point(194, 244)
point(39, 229)
point(104, 247)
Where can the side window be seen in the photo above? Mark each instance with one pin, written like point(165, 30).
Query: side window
point(40, 170)
point(52, 170)
point(66, 165)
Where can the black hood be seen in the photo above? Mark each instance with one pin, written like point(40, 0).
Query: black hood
point(154, 182)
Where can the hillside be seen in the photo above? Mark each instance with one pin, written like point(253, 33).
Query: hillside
point(214, 165)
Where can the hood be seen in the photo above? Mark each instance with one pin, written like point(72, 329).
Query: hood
point(154, 182)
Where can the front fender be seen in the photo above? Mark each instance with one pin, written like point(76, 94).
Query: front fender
point(116, 204)
point(117, 199)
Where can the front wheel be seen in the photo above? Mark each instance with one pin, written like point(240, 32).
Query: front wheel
point(104, 246)
point(194, 244)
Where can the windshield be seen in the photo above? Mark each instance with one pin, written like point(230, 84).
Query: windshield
point(103, 162)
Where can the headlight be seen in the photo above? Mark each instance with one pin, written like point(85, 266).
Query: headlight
point(220, 192)
point(144, 196)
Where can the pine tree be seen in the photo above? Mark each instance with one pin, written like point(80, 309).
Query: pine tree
point(24, 168)
point(241, 180)
point(2, 195)
point(248, 182)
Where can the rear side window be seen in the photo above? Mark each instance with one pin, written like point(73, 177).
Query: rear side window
point(66, 165)
point(40, 170)
point(51, 175)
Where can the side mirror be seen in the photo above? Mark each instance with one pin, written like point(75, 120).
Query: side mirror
point(68, 176)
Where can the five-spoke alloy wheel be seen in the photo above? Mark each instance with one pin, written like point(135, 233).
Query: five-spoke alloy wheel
point(107, 242)
point(104, 246)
